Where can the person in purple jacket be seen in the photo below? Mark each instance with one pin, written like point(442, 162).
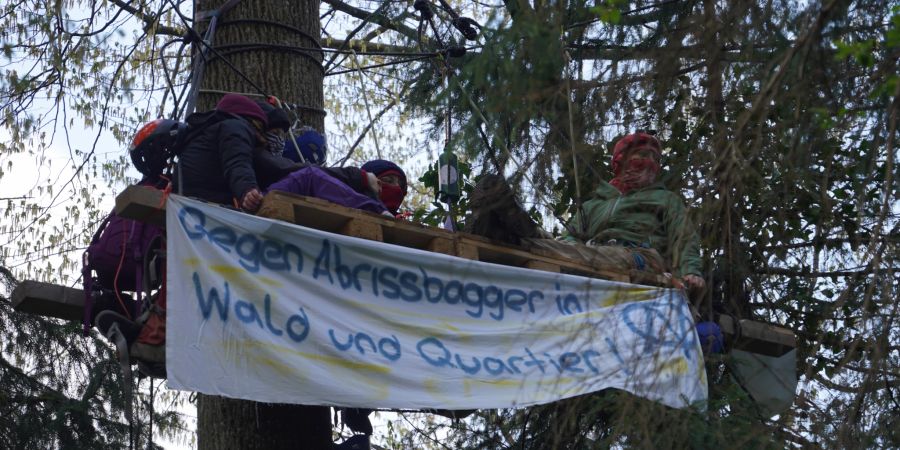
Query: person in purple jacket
point(384, 180)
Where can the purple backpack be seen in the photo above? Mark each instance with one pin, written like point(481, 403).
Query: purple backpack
point(114, 262)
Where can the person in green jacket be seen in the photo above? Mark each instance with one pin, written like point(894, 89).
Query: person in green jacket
point(630, 222)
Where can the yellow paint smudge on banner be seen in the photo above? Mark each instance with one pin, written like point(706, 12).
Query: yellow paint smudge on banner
point(677, 366)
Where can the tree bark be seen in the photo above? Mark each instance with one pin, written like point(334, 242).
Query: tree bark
point(260, 39)
point(273, 44)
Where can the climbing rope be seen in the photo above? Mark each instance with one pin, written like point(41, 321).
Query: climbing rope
point(365, 97)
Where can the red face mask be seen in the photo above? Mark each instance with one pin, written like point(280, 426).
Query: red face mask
point(636, 174)
point(392, 197)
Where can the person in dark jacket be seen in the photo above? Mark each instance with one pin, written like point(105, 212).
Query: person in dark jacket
point(217, 163)
point(228, 162)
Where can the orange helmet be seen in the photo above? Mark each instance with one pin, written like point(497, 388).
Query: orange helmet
point(155, 144)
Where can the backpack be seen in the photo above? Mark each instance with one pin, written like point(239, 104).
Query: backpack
point(122, 255)
point(120, 258)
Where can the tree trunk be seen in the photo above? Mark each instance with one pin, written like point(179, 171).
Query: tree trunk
point(260, 39)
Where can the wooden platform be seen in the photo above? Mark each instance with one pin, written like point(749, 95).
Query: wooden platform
point(48, 300)
point(147, 205)
point(144, 204)
point(757, 337)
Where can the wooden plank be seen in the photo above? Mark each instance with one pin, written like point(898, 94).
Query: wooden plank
point(364, 229)
point(441, 245)
point(143, 204)
point(757, 337)
point(542, 265)
point(277, 208)
point(48, 300)
point(467, 250)
point(648, 278)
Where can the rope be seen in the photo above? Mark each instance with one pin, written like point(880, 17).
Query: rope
point(275, 24)
point(366, 103)
point(249, 94)
point(579, 205)
point(150, 432)
point(221, 51)
point(168, 75)
point(374, 66)
point(199, 63)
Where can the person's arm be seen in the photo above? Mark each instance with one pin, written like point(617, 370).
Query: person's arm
point(269, 168)
point(236, 141)
point(683, 241)
point(575, 224)
point(351, 176)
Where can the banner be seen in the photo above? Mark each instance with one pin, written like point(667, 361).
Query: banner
point(274, 312)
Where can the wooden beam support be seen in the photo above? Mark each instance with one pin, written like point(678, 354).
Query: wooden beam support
point(542, 265)
point(143, 204)
point(441, 245)
point(48, 300)
point(757, 337)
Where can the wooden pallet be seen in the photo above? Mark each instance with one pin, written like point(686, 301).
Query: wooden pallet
point(326, 216)
point(147, 205)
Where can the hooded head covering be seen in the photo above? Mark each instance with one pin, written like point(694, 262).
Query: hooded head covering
point(636, 173)
point(277, 117)
point(633, 141)
point(242, 106)
point(391, 196)
point(311, 145)
point(382, 167)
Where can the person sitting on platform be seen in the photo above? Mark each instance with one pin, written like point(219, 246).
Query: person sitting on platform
point(630, 222)
point(228, 163)
point(216, 163)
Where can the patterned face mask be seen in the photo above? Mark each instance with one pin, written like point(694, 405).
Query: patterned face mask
point(274, 143)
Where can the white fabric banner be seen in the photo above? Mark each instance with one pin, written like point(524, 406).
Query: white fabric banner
point(274, 312)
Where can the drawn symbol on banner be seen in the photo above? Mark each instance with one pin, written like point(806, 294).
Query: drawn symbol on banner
point(671, 322)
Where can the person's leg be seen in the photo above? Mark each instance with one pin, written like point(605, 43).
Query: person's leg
point(605, 257)
point(601, 256)
point(314, 182)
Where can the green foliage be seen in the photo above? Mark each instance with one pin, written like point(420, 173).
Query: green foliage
point(779, 122)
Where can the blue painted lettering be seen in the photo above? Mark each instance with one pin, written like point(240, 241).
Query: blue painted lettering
point(206, 303)
point(323, 265)
point(300, 320)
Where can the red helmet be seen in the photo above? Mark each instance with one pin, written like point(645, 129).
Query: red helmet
point(155, 144)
